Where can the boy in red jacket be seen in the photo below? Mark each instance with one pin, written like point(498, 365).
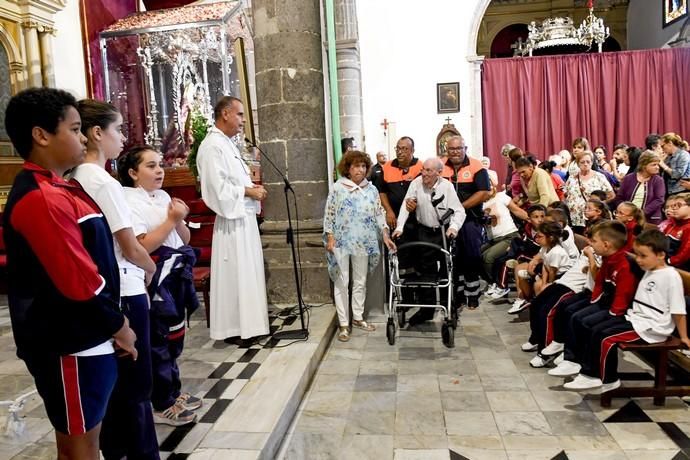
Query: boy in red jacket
point(614, 288)
point(657, 309)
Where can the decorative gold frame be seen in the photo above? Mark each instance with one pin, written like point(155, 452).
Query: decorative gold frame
point(448, 97)
point(241, 61)
point(669, 17)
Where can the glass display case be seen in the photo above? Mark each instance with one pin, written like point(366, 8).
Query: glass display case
point(164, 68)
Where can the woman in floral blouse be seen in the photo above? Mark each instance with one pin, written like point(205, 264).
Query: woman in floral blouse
point(353, 225)
point(579, 187)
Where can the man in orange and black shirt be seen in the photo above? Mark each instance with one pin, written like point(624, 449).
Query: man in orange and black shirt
point(472, 184)
point(394, 182)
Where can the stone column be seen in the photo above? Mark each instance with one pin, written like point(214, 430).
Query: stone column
point(33, 53)
point(290, 101)
point(476, 140)
point(349, 70)
point(45, 36)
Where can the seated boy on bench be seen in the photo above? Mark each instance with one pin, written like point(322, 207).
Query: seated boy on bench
point(657, 309)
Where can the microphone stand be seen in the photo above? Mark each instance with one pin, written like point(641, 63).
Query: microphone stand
point(302, 333)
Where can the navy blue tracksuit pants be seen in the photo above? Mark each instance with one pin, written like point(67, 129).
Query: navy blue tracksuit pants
point(166, 347)
point(128, 428)
point(543, 306)
point(562, 319)
point(468, 261)
point(601, 360)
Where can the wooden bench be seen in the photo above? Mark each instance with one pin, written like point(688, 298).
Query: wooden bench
point(201, 232)
point(202, 283)
point(655, 354)
point(661, 389)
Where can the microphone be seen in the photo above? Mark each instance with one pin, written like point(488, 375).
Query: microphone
point(288, 186)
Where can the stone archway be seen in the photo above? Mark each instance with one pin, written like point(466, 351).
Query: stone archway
point(473, 32)
point(476, 143)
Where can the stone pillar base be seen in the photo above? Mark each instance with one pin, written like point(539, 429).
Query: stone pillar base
point(280, 275)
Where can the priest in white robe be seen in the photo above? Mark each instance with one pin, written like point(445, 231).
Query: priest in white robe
point(238, 285)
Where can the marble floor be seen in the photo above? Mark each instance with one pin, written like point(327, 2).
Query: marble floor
point(366, 399)
point(481, 400)
point(250, 394)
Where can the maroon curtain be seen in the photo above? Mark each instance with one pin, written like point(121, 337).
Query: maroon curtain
point(96, 15)
point(542, 103)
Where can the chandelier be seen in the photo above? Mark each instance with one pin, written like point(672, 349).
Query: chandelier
point(561, 32)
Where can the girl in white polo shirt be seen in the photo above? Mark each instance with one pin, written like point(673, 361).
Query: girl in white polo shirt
point(128, 428)
point(158, 223)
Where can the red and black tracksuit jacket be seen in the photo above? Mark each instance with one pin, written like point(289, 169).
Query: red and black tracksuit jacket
point(616, 282)
point(64, 288)
point(678, 234)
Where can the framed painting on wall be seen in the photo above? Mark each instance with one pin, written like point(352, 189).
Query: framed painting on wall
point(448, 97)
point(673, 11)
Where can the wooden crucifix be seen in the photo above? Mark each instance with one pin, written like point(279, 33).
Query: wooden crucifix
point(385, 124)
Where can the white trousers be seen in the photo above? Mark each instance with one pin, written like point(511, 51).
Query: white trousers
point(359, 287)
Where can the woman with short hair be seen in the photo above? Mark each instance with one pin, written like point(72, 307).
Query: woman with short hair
point(579, 187)
point(353, 225)
point(675, 162)
point(646, 189)
point(537, 183)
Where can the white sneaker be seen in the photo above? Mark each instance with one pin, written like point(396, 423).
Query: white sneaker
point(583, 382)
point(500, 293)
point(559, 359)
point(482, 284)
point(610, 386)
point(565, 369)
point(490, 290)
point(540, 361)
point(552, 349)
point(527, 346)
point(524, 274)
point(518, 306)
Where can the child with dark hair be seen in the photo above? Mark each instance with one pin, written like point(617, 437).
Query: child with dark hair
point(548, 265)
point(522, 249)
point(128, 428)
point(64, 290)
point(598, 194)
point(558, 215)
point(596, 211)
point(657, 309)
point(614, 287)
point(158, 223)
point(633, 218)
point(543, 308)
point(563, 207)
point(556, 179)
point(677, 230)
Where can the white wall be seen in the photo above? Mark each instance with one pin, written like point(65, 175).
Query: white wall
point(68, 54)
point(406, 48)
point(644, 26)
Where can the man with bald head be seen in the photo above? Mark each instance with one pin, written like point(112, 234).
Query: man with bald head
point(377, 169)
point(430, 186)
point(473, 187)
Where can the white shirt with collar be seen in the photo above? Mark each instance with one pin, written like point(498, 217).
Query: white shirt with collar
point(427, 215)
point(224, 176)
